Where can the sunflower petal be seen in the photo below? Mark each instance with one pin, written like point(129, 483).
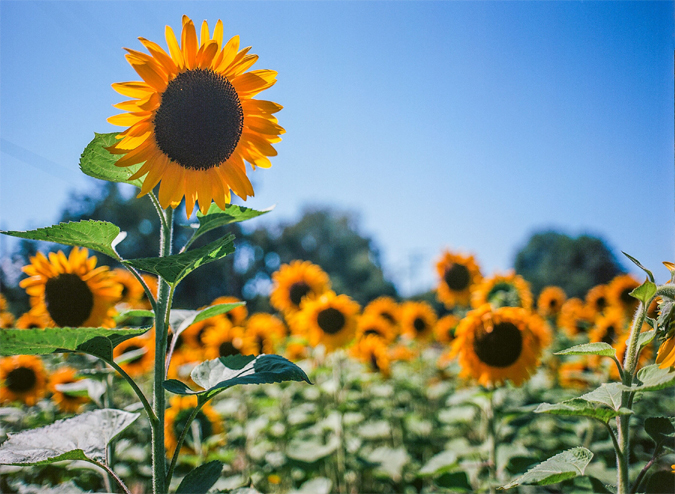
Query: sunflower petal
point(150, 75)
point(260, 106)
point(171, 182)
point(204, 33)
point(189, 43)
point(259, 143)
point(133, 89)
point(239, 67)
point(206, 54)
point(263, 125)
point(218, 34)
point(127, 119)
point(227, 54)
point(251, 83)
point(160, 55)
point(174, 47)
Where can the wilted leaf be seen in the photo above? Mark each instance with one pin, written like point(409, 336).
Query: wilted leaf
point(216, 217)
point(602, 349)
point(565, 465)
point(98, 162)
point(82, 437)
point(201, 479)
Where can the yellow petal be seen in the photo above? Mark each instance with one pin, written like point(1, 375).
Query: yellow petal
point(133, 89)
point(189, 44)
point(218, 33)
point(206, 54)
point(227, 54)
point(240, 66)
point(251, 83)
point(127, 119)
point(138, 155)
point(154, 175)
point(150, 75)
point(204, 34)
point(171, 181)
point(260, 106)
point(174, 47)
point(204, 190)
point(160, 55)
point(263, 125)
point(190, 191)
point(264, 147)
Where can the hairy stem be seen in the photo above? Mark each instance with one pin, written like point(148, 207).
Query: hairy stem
point(137, 390)
point(111, 473)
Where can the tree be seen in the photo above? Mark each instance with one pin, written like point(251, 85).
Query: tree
point(575, 264)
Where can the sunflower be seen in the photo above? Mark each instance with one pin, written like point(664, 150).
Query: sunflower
point(296, 350)
point(550, 301)
point(152, 283)
point(132, 291)
point(193, 119)
point(71, 291)
point(401, 353)
point(371, 323)
point(6, 320)
point(385, 307)
point(68, 403)
point(444, 331)
point(262, 334)
point(329, 319)
point(458, 275)
point(666, 354)
point(574, 317)
point(608, 327)
point(3, 303)
point(238, 315)
point(29, 320)
point(193, 336)
point(577, 374)
point(207, 421)
point(223, 340)
point(143, 359)
point(372, 350)
point(295, 282)
point(495, 345)
point(507, 290)
point(618, 292)
point(417, 320)
point(22, 378)
point(183, 361)
point(597, 300)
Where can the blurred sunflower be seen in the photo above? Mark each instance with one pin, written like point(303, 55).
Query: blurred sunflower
point(444, 331)
point(66, 402)
point(417, 320)
point(132, 291)
point(329, 319)
point(371, 323)
point(458, 275)
point(194, 334)
point(574, 317)
point(3, 303)
point(22, 378)
point(262, 334)
point(645, 355)
point(295, 282)
point(208, 424)
point(30, 320)
point(618, 292)
point(507, 290)
point(596, 300)
point(666, 354)
point(223, 340)
point(550, 301)
point(71, 291)
point(193, 119)
point(608, 327)
point(576, 374)
point(385, 307)
point(296, 350)
point(238, 315)
point(495, 345)
point(142, 359)
point(374, 352)
point(6, 320)
point(151, 281)
point(182, 362)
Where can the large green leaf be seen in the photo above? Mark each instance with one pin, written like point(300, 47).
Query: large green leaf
point(565, 465)
point(390, 461)
point(662, 431)
point(602, 349)
point(581, 408)
point(219, 374)
point(653, 379)
point(644, 292)
point(96, 161)
point(41, 341)
point(201, 479)
point(607, 394)
point(100, 236)
point(82, 437)
point(175, 268)
point(216, 217)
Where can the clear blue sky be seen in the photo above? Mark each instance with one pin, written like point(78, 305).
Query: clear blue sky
point(466, 125)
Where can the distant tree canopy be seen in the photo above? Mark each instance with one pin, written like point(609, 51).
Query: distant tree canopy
point(326, 237)
point(575, 264)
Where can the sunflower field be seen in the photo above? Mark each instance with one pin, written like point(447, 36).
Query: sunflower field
point(105, 386)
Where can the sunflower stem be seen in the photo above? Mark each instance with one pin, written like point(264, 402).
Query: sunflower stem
point(160, 211)
point(181, 439)
point(146, 288)
point(161, 330)
point(146, 405)
point(110, 472)
point(492, 441)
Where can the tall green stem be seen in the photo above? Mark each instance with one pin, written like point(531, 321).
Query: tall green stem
point(492, 441)
point(161, 332)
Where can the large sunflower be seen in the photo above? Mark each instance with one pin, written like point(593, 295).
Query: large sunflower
point(295, 282)
point(329, 319)
point(71, 291)
point(507, 290)
point(458, 275)
point(495, 345)
point(193, 119)
point(207, 423)
point(22, 378)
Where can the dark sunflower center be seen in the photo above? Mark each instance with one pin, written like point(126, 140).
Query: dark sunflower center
point(205, 426)
point(388, 317)
point(499, 348)
point(457, 277)
point(298, 291)
point(372, 331)
point(610, 335)
point(33, 325)
point(331, 320)
point(261, 344)
point(125, 292)
point(626, 297)
point(419, 324)
point(600, 304)
point(69, 300)
point(553, 304)
point(200, 119)
point(226, 349)
point(373, 363)
point(20, 380)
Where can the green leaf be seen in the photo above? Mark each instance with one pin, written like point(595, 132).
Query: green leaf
point(661, 430)
point(83, 437)
point(659, 482)
point(175, 268)
point(181, 319)
point(135, 313)
point(565, 465)
point(438, 464)
point(98, 162)
point(653, 379)
point(637, 263)
point(602, 349)
point(456, 482)
point(100, 236)
point(390, 461)
point(646, 338)
point(42, 341)
point(216, 217)
point(311, 451)
point(84, 387)
point(317, 485)
point(201, 479)
point(607, 394)
point(581, 408)
point(219, 374)
point(644, 292)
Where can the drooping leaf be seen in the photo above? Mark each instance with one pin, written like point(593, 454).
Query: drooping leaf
point(219, 374)
point(98, 162)
point(581, 408)
point(602, 349)
point(438, 464)
point(42, 341)
point(175, 268)
point(653, 379)
point(644, 292)
point(216, 217)
point(661, 430)
point(181, 319)
point(455, 481)
point(565, 465)
point(637, 263)
point(607, 394)
point(82, 437)
point(100, 236)
point(201, 479)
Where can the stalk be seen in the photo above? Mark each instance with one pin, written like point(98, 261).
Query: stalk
point(161, 331)
point(492, 442)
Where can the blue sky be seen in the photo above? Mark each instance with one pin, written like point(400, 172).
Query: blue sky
point(467, 125)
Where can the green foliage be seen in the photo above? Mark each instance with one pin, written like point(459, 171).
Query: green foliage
point(100, 236)
point(201, 479)
point(651, 378)
point(96, 161)
point(637, 263)
point(455, 481)
point(565, 465)
point(181, 319)
point(608, 395)
point(644, 292)
point(575, 264)
point(601, 349)
point(216, 217)
point(662, 431)
point(581, 408)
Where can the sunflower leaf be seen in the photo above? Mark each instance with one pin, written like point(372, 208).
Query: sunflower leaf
point(42, 341)
point(579, 407)
point(201, 479)
point(637, 263)
point(602, 349)
point(100, 236)
point(219, 374)
point(96, 161)
point(607, 394)
point(644, 292)
point(646, 338)
point(662, 431)
point(216, 217)
point(652, 378)
point(174, 268)
point(83, 437)
point(563, 466)
point(181, 319)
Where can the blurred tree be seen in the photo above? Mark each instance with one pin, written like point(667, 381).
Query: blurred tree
point(575, 264)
